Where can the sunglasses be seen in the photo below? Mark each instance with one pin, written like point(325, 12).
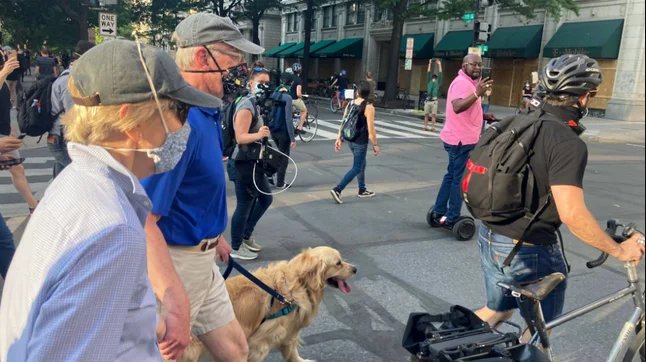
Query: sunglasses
point(258, 70)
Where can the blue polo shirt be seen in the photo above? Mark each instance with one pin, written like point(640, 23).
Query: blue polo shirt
point(192, 198)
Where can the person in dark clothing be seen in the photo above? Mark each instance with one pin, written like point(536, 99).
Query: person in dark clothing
point(23, 59)
point(284, 137)
point(359, 147)
point(559, 160)
point(45, 65)
point(342, 82)
point(66, 61)
point(252, 188)
point(28, 57)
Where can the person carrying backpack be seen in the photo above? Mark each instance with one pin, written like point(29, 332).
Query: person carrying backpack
point(252, 188)
point(282, 131)
point(358, 128)
point(525, 179)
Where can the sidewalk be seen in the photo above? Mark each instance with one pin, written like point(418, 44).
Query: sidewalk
point(600, 130)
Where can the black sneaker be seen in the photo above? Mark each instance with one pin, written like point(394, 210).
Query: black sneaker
point(283, 186)
point(270, 180)
point(336, 194)
point(365, 194)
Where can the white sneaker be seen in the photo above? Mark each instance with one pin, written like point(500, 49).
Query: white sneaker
point(252, 245)
point(244, 254)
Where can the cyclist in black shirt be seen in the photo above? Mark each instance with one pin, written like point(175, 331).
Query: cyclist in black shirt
point(342, 81)
point(559, 164)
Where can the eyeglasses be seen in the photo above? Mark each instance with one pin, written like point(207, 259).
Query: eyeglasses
point(181, 109)
point(237, 57)
point(475, 65)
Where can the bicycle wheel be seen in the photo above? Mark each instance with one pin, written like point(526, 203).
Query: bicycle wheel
point(636, 351)
point(335, 104)
point(310, 127)
point(313, 110)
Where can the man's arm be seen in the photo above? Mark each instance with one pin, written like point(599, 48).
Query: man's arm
point(570, 202)
point(462, 104)
point(169, 290)
point(299, 91)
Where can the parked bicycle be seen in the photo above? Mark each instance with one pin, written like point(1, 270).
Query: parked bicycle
point(404, 96)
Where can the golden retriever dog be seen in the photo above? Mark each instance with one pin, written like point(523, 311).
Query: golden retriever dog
point(302, 281)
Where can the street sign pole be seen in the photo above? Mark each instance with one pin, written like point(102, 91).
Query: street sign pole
point(410, 46)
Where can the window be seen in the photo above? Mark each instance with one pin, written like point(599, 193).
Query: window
point(361, 14)
point(329, 16)
point(297, 19)
point(290, 23)
point(355, 14)
point(314, 19)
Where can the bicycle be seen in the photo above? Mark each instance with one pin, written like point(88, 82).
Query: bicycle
point(311, 106)
point(310, 126)
point(403, 95)
point(336, 103)
point(629, 346)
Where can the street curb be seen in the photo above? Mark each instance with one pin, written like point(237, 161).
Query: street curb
point(610, 140)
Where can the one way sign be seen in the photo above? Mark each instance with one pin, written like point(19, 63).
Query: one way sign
point(108, 24)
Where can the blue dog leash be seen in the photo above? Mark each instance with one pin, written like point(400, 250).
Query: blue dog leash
point(274, 294)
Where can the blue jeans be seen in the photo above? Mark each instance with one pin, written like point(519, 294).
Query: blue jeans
point(58, 148)
point(7, 247)
point(449, 199)
point(251, 204)
point(532, 262)
point(485, 108)
point(358, 169)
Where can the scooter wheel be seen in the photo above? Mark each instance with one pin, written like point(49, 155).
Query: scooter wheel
point(464, 229)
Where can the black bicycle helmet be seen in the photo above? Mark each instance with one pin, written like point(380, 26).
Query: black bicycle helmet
point(570, 75)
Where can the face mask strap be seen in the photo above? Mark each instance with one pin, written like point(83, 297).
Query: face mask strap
point(152, 85)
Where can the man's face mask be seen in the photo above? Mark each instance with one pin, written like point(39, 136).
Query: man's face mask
point(234, 79)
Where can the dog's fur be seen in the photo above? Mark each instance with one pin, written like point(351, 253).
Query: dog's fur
point(302, 281)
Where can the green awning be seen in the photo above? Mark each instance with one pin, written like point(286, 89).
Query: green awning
point(272, 53)
point(314, 48)
point(596, 39)
point(291, 52)
point(455, 44)
point(516, 42)
point(346, 48)
point(422, 48)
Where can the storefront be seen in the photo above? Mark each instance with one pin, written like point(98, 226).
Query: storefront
point(415, 80)
point(349, 51)
point(600, 40)
point(453, 47)
point(514, 52)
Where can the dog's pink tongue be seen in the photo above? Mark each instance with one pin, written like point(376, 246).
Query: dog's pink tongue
point(344, 287)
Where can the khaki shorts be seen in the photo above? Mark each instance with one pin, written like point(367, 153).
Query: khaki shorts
point(211, 307)
point(430, 107)
point(299, 105)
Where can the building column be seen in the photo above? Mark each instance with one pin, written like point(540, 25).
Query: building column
point(627, 103)
point(340, 25)
point(370, 47)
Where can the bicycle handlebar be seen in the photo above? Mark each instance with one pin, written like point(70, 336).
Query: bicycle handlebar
point(611, 229)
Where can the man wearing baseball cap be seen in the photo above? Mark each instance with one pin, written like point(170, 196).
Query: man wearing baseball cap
point(189, 214)
point(78, 288)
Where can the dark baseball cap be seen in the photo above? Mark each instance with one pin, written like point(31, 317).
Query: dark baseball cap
point(204, 29)
point(112, 73)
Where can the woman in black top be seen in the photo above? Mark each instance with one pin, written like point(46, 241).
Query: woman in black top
point(359, 147)
point(253, 197)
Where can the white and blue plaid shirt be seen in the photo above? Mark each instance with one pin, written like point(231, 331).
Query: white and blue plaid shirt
point(78, 288)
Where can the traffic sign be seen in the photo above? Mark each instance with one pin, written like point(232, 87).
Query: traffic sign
point(469, 17)
point(484, 48)
point(408, 64)
point(107, 24)
point(475, 50)
point(410, 46)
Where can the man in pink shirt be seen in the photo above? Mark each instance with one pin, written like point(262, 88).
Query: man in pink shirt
point(461, 133)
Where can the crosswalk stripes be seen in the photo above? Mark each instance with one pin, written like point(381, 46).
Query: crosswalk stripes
point(329, 129)
point(39, 173)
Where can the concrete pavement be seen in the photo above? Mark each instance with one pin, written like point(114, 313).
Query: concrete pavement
point(404, 266)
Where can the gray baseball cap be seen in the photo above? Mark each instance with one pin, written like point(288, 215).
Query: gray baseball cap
point(204, 29)
point(112, 73)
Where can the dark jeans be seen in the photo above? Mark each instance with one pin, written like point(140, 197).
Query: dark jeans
point(449, 200)
point(251, 204)
point(358, 169)
point(58, 148)
point(283, 143)
point(7, 247)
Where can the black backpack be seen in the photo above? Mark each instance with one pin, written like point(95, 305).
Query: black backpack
point(499, 184)
point(349, 130)
point(35, 108)
point(228, 132)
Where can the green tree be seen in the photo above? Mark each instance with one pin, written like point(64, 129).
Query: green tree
point(404, 10)
point(254, 11)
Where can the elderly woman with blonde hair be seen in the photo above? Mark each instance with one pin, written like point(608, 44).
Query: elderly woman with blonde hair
point(78, 288)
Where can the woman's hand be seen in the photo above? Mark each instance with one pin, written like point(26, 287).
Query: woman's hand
point(264, 132)
point(376, 149)
point(293, 145)
point(337, 144)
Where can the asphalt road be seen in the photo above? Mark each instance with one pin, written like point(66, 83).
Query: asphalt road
point(404, 266)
